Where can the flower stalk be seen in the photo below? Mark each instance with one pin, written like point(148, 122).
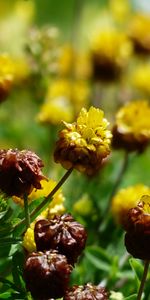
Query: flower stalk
point(26, 210)
point(146, 266)
point(35, 212)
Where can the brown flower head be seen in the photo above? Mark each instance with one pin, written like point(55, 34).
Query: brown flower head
point(20, 172)
point(132, 127)
point(137, 238)
point(47, 274)
point(86, 292)
point(62, 233)
point(85, 143)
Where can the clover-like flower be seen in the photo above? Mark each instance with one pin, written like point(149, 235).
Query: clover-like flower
point(125, 199)
point(110, 52)
point(137, 238)
point(20, 172)
point(62, 233)
point(139, 32)
point(86, 292)
point(132, 127)
point(84, 144)
point(47, 274)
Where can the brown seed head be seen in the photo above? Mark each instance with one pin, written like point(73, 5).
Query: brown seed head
point(47, 274)
point(20, 172)
point(62, 233)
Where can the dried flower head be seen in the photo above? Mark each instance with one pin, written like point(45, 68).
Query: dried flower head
point(139, 32)
point(85, 143)
point(125, 199)
point(47, 274)
point(110, 51)
point(20, 172)
point(132, 127)
point(86, 292)
point(62, 233)
point(137, 238)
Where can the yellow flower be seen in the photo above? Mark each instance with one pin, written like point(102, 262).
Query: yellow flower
point(84, 206)
point(139, 32)
point(56, 206)
point(110, 50)
point(132, 128)
point(120, 9)
point(64, 99)
point(140, 78)
point(126, 199)
point(85, 143)
point(6, 75)
point(74, 63)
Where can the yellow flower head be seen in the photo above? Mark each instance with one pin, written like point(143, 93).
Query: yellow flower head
point(73, 62)
point(110, 53)
point(84, 206)
point(56, 206)
point(64, 99)
point(139, 32)
point(132, 128)
point(126, 199)
point(85, 143)
point(140, 78)
point(120, 9)
point(6, 75)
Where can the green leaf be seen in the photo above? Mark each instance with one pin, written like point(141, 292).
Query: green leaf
point(99, 252)
point(96, 260)
point(131, 297)
point(17, 265)
point(137, 267)
point(5, 295)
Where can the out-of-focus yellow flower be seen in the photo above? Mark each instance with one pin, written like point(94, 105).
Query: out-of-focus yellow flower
point(110, 51)
point(56, 206)
point(84, 206)
point(6, 75)
point(139, 32)
point(64, 99)
point(140, 78)
point(74, 63)
point(132, 127)
point(126, 199)
point(85, 143)
point(120, 9)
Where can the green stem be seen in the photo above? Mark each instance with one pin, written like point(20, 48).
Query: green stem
point(47, 198)
point(26, 210)
point(51, 194)
point(120, 175)
point(146, 266)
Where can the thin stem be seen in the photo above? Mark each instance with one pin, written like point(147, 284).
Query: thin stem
point(146, 266)
point(26, 210)
point(51, 194)
point(47, 198)
point(120, 175)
